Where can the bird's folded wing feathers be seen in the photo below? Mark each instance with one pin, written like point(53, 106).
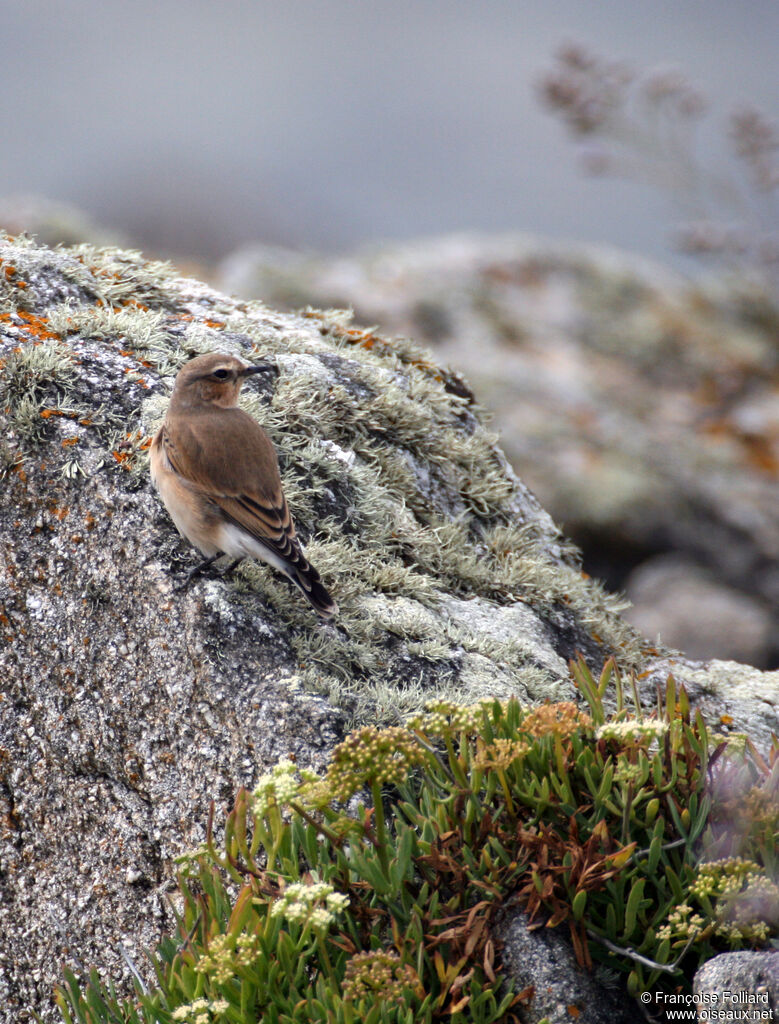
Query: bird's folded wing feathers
point(240, 475)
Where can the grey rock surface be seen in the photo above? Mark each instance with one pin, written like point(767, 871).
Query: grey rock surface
point(563, 991)
point(689, 609)
point(642, 410)
point(744, 985)
point(732, 698)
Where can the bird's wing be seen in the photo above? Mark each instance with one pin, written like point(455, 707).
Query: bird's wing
point(227, 457)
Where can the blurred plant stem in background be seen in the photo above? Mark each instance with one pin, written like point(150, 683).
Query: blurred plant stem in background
point(643, 127)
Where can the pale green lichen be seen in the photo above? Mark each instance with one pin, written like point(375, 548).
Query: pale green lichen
point(36, 380)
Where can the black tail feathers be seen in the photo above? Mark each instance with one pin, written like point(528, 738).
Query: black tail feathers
point(307, 579)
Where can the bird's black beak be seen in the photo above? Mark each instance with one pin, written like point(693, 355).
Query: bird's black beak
point(249, 371)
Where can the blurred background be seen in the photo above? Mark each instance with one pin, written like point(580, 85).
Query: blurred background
point(421, 162)
point(194, 127)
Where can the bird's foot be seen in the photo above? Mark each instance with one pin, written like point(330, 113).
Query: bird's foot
point(196, 570)
point(229, 567)
point(200, 569)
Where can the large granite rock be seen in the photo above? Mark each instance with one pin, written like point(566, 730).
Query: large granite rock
point(125, 706)
point(562, 991)
point(643, 411)
point(739, 986)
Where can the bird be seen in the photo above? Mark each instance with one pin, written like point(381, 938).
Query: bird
point(217, 473)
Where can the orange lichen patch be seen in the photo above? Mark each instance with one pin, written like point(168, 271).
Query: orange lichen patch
point(105, 272)
point(132, 444)
point(69, 441)
point(58, 512)
point(214, 323)
point(86, 422)
point(365, 339)
point(30, 324)
point(759, 450)
point(48, 413)
point(10, 273)
point(129, 354)
point(726, 719)
point(18, 469)
point(354, 335)
point(716, 427)
point(138, 379)
point(90, 521)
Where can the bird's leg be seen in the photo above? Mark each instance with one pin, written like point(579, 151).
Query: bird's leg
point(195, 571)
point(230, 566)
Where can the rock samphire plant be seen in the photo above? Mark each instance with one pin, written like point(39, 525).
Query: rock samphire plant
point(374, 893)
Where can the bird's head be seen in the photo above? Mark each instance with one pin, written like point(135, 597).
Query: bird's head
point(214, 379)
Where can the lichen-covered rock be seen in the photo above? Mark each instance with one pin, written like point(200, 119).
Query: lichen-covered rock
point(739, 986)
point(732, 698)
point(126, 707)
point(643, 411)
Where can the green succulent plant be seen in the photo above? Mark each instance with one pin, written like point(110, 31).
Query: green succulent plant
point(372, 893)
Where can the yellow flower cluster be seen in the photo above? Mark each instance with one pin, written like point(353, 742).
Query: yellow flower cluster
point(632, 730)
point(370, 755)
point(201, 1011)
point(316, 905)
point(500, 754)
point(724, 877)
point(562, 719)
point(748, 900)
point(745, 900)
point(281, 786)
point(762, 805)
point(627, 773)
point(379, 974)
point(682, 923)
point(444, 718)
point(225, 954)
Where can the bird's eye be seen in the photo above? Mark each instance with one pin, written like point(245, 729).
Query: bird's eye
point(221, 374)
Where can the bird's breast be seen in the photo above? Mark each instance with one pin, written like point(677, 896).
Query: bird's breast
point(195, 516)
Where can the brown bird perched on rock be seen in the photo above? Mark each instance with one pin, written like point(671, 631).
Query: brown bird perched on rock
point(218, 475)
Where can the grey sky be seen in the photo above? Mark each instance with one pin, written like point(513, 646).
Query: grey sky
point(196, 126)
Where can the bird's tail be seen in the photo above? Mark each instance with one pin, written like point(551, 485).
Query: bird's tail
point(307, 579)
